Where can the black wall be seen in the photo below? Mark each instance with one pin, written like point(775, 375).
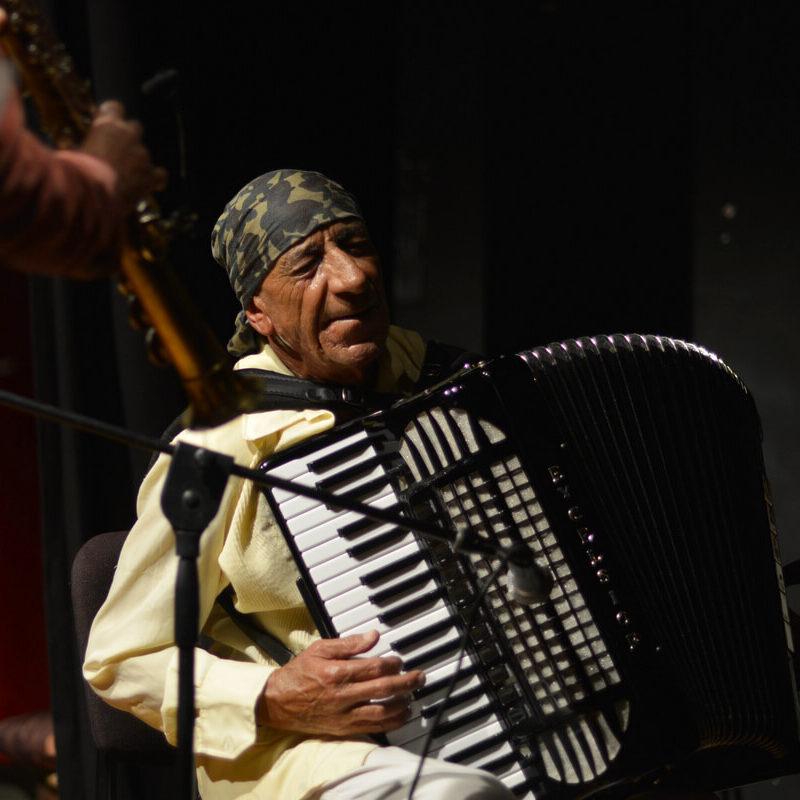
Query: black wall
point(529, 175)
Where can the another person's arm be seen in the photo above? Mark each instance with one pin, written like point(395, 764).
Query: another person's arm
point(62, 212)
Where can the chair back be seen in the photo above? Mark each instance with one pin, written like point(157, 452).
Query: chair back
point(134, 760)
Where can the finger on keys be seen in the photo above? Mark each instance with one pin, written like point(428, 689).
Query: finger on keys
point(384, 716)
point(346, 646)
point(398, 687)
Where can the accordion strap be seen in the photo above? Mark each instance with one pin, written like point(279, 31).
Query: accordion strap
point(270, 644)
point(278, 391)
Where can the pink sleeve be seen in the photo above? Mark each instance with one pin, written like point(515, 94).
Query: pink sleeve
point(58, 213)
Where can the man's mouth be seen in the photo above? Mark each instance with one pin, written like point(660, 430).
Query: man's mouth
point(354, 315)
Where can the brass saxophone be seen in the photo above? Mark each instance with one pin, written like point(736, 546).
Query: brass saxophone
point(160, 304)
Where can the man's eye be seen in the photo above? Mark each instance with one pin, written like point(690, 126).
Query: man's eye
point(358, 247)
point(306, 265)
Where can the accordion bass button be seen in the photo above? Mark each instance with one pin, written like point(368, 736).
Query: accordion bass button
point(575, 513)
point(623, 618)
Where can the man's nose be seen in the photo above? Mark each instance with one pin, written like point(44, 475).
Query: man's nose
point(345, 274)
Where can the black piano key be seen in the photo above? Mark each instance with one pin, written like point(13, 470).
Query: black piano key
point(508, 695)
point(391, 593)
point(481, 635)
point(348, 474)
point(489, 655)
point(323, 463)
point(478, 748)
point(416, 638)
point(498, 675)
point(466, 671)
point(363, 491)
point(377, 576)
point(423, 659)
point(521, 789)
point(365, 524)
point(379, 542)
point(451, 726)
point(501, 764)
point(411, 606)
point(454, 700)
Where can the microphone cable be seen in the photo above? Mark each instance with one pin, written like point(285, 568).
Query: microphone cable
point(495, 574)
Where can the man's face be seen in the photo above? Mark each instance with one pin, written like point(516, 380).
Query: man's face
point(322, 306)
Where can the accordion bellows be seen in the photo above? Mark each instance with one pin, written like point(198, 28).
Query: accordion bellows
point(631, 466)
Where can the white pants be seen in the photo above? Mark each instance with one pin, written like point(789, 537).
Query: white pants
point(388, 773)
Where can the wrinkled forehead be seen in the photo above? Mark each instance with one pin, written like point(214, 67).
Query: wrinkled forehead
point(268, 216)
point(339, 231)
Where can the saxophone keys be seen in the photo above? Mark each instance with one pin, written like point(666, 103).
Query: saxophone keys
point(155, 349)
point(136, 314)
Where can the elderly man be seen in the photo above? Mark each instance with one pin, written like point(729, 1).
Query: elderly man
point(308, 277)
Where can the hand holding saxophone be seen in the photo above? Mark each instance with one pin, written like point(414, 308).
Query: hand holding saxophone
point(79, 203)
point(118, 142)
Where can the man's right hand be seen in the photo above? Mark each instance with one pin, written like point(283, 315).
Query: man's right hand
point(325, 690)
point(118, 142)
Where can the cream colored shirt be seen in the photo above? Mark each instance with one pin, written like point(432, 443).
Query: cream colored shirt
point(131, 659)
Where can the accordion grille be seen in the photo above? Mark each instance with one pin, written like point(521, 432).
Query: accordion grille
point(482, 486)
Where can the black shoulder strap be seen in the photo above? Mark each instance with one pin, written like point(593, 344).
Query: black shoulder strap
point(270, 644)
point(278, 391)
point(287, 391)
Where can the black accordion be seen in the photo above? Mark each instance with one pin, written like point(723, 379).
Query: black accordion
point(631, 467)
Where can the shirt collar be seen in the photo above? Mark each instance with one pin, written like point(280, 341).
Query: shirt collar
point(399, 368)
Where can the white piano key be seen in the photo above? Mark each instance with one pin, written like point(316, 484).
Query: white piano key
point(346, 567)
point(299, 472)
point(288, 471)
point(501, 750)
point(333, 548)
point(386, 631)
point(513, 778)
point(367, 611)
point(340, 595)
point(320, 524)
point(401, 592)
point(288, 468)
point(384, 645)
point(447, 671)
point(296, 505)
point(316, 516)
point(448, 746)
point(408, 732)
point(454, 746)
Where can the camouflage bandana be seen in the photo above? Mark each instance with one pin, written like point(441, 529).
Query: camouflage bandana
point(266, 217)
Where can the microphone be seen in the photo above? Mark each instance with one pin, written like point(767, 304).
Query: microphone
point(528, 583)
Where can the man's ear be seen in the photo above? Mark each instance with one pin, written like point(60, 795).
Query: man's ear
point(260, 321)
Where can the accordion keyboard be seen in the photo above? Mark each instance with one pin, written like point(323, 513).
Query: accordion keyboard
point(370, 575)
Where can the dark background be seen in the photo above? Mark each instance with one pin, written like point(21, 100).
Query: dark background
point(529, 174)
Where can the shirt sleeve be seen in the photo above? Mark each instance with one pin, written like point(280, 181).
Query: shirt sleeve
point(132, 660)
point(59, 214)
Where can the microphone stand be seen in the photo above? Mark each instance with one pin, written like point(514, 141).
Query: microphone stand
point(190, 499)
